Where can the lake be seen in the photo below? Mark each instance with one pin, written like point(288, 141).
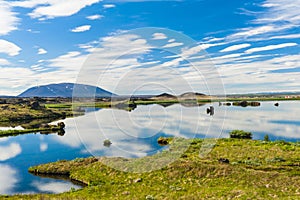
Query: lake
point(134, 134)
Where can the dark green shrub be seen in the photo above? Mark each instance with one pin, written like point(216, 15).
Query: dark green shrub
point(107, 143)
point(266, 138)
point(240, 134)
point(281, 142)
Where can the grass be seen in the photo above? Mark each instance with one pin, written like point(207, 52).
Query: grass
point(14, 112)
point(256, 170)
point(59, 105)
point(25, 131)
point(51, 129)
point(74, 106)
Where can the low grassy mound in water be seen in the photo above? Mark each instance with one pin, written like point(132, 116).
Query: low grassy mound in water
point(46, 129)
point(234, 169)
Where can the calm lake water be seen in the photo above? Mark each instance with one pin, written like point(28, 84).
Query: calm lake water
point(134, 134)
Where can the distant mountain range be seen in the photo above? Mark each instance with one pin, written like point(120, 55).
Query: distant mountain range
point(187, 95)
point(66, 90)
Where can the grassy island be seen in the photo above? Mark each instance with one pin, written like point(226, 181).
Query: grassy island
point(59, 128)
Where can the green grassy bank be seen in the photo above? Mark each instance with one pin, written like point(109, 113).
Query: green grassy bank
point(234, 169)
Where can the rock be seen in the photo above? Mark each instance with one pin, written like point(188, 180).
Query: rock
point(44, 126)
point(6, 107)
point(126, 106)
point(276, 104)
point(244, 103)
point(255, 103)
point(137, 180)
point(149, 197)
point(126, 193)
point(227, 104)
point(224, 160)
point(210, 110)
point(162, 141)
point(61, 132)
point(3, 101)
point(61, 125)
point(35, 105)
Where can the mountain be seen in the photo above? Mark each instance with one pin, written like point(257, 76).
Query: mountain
point(66, 90)
point(185, 96)
point(191, 95)
point(166, 95)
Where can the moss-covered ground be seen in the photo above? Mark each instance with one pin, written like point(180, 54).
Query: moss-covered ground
point(15, 112)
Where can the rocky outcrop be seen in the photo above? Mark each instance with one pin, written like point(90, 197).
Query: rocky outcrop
point(246, 103)
point(210, 110)
point(224, 160)
point(35, 105)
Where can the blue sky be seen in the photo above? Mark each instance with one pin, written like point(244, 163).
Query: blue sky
point(253, 46)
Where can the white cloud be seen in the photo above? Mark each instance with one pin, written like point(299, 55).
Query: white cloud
point(235, 55)
point(94, 17)
point(14, 80)
point(8, 177)
point(81, 28)
point(41, 51)
point(109, 6)
point(194, 51)
point(4, 62)
point(159, 36)
point(276, 17)
point(252, 73)
point(116, 61)
point(43, 147)
point(72, 61)
point(247, 32)
point(212, 39)
point(270, 47)
point(235, 47)
point(32, 31)
point(9, 48)
point(8, 21)
point(290, 36)
point(10, 151)
point(207, 45)
point(174, 44)
point(88, 46)
point(280, 11)
point(53, 8)
point(10, 77)
point(54, 186)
